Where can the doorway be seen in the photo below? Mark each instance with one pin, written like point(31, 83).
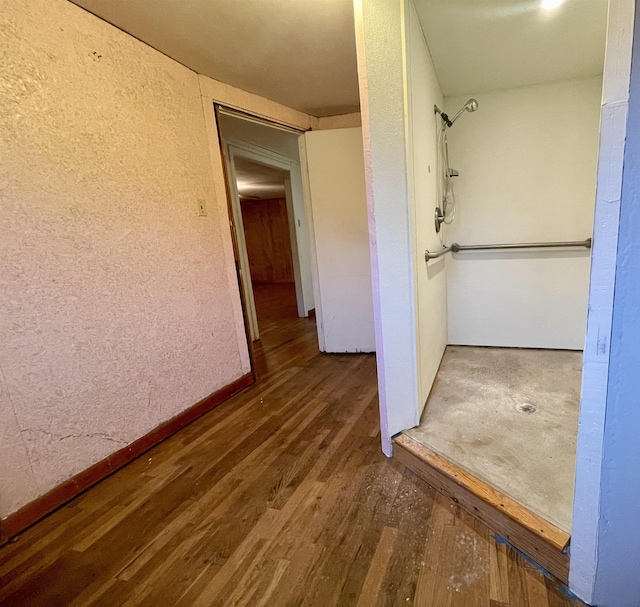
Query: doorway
point(502, 262)
point(270, 226)
point(266, 232)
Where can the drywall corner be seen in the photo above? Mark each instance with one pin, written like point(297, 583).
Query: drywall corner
point(606, 412)
point(380, 48)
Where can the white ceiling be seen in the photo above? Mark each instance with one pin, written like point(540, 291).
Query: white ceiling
point(258, 180)
point(485, 45)
point(301, 53)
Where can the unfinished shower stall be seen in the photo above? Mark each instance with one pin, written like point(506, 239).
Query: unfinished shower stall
point(515, 188)
point(502, 121)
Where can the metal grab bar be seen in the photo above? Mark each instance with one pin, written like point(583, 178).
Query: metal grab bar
point(455, 247)
point(428, 255)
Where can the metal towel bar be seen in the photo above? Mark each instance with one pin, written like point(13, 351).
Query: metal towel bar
point(455, 247)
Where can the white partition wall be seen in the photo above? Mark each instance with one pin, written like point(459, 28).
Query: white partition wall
point(344, 311)
point(399, 88)
point(379, 40)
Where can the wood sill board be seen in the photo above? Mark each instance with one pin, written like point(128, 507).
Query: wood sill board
point(538, 539)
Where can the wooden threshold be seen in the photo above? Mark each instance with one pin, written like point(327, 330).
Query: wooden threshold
point(45, 504)
point(538, 539)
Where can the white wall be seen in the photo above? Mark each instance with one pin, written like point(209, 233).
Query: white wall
point(398, 89)
point(617, 548)
point(339, 209)
point(423, 92)
point(527, 161)
point(604, 535)
point(341, 121)
point(381, 51)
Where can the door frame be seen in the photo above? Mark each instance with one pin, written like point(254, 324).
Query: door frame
point(298, 217)
point(315, 273)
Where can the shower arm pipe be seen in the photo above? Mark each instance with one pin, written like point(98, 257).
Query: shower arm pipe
point(445, 118)
point(455, 247)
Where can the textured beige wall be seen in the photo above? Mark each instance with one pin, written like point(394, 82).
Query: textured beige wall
point(118, 307)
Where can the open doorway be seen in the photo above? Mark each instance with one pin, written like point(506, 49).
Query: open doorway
point(266, 226)
point(501, 239)
point(322, 173)
point(271, 231)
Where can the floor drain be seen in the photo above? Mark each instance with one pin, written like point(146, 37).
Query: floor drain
point(526, 408)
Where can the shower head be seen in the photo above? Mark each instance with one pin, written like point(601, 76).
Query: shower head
point(469, 106)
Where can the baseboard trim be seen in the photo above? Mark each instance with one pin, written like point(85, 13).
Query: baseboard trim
point(535, 537)
point(33, 511)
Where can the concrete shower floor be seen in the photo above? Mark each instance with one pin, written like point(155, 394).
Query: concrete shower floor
point(509, 417)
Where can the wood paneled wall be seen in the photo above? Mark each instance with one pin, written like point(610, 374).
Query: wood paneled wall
point(268, 241)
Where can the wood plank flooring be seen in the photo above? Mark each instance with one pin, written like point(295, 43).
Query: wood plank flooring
point(280, 497)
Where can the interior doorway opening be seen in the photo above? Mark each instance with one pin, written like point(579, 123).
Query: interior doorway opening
point(501, 241)
point(270, 228)
point(266, 226)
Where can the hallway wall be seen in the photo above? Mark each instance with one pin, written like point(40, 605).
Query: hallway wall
point(120, 305)
point(344, 311)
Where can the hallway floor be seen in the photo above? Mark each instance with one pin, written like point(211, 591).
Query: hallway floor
point(285, 339)
point(279, 497)
point(509, 417)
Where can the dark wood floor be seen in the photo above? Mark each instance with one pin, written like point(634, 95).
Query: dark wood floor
point(285, 340)
point(279, 497)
